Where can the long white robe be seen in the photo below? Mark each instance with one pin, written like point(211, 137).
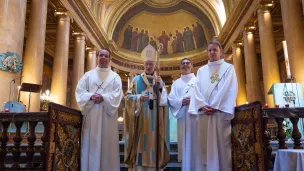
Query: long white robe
point(100, 143)
point(187, 125)
point(220, 95)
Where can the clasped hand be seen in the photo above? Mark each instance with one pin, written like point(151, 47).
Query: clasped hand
point(144, 97)
point(208, 110)
point(186, 101)
point(97, 98)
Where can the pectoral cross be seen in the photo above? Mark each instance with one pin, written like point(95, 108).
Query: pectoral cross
point(214, 78)
point(99, 86)
point(190, 86)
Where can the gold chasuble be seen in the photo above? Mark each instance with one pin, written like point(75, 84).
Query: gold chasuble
point(140, 124)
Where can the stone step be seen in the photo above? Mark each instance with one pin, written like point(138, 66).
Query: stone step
point(173, 146)
point(173, 157)
point(169, 167)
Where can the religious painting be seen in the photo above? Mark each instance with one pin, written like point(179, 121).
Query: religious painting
point(181, 28)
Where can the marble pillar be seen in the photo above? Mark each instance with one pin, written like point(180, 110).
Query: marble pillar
point(238, 62)
point(34, 52)
point(12, 25)
point(270, 64)
point(78, 65)
point(60, 62)
point(90, 59)
point(253, 89)
point(294, 36)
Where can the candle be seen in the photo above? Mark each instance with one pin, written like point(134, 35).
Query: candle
point(120, 119)
point(277, 105)
point(286, 59)
point(6, 110)
point(287, 105)
point(266, 106)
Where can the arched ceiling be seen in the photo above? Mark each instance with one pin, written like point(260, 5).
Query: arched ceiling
point(114, 16)
point(116, 9)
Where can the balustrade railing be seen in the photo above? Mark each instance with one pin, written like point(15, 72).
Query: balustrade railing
point(274, 132)
point(23, 143)
point(26, 146)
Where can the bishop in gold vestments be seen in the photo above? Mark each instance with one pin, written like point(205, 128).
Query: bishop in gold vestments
point(140, 119)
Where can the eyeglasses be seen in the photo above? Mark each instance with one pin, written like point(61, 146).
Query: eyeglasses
point(185, 63)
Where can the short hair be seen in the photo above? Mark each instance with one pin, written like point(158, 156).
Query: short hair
point(106, 50)
point(215, 42)
point(186, 59)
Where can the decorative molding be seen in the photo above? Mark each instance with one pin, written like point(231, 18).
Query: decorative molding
point(139, 68)
point(161, 3)
point(238, 18)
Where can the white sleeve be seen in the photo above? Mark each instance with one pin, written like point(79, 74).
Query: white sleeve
point(83, 95)
point(113, 98)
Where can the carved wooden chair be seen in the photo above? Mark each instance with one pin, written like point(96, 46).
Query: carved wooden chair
point(246, 138)
point(64, 135)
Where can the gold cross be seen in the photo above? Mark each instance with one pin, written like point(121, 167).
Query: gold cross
point(214, 78)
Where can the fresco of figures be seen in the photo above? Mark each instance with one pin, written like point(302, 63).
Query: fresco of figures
point(135, 39)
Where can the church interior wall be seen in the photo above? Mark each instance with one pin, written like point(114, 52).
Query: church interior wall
point(155, 23)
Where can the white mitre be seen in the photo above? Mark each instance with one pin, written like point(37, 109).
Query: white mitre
point(149, 53)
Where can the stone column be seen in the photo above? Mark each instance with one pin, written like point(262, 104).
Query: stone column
point(270, 62)
point(116, 70)
point(303, 6)
point(78, 65)
point(34, 51)
point(294, 36)
point(238, 62)
point(60, 64)
point(253, 88)
point(91, 59)
point(12, 24)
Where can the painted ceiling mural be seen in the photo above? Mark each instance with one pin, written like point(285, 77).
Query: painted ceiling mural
point(180, 28)
point(180, 25)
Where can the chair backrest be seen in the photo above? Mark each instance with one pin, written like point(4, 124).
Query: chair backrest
point(64, 135)
point(246, 138)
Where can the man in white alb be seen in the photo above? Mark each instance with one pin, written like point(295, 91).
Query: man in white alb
point(187, 125)
point(98, 95)
point(214, 97)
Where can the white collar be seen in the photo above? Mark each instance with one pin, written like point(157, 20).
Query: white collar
point(187, 75)
point(216, 62)
point(103, 69)
point(187, 78)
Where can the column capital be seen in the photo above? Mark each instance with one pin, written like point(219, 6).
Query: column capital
point(79, 35)
point(63, 15)
point(265, 8)
point(237, 43)
point(250, 28)
point(91, 49)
